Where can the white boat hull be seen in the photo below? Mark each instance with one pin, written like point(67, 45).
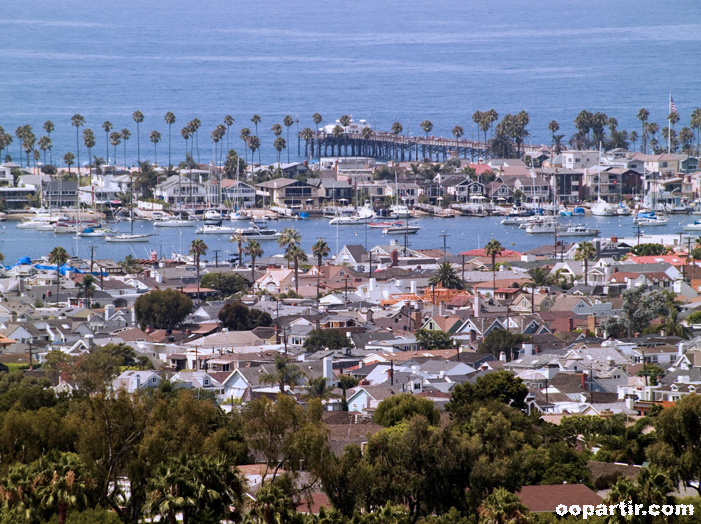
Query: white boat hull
point(127, 238)
point(173, 223)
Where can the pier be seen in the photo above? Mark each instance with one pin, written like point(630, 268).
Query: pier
point(402, 148)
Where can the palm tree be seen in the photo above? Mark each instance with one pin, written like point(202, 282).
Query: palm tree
point(107, 127)
point(447, 276)
point(49, 127)
point(503, 507)
point(254, 250)
point(493, 249)
point(318, 119)
point(44, 144)
point(115, 140)
point(155, 137)
point(337, 133)
point(584, 253)
point(279, 145)
point(228, 122)
point(643, 116)
point(540, 277)
point(244, 135)
point(167, 492)
point(170, 120)
point(186, 132)
point(458, 132)
point(195, 125)
point(297, 255)
point(198, 249)
point(126, 135)
point(20, 132)
point(633, 137)
point(64, 490)
point(427, 126)
point(77, 121)
point(89, 140)
point(130, 265)
point(59, 257)
point(253, 145)
point(307, 135)
point(289, 122)
point(346, 382)
point(28, 141)
point(256, 120)
point(695, 124)
point(320, 249)
point(69, 160)
point(290, 237)
point(238, 239)
point(285, 374)
point(88, 287)
point(318, 388)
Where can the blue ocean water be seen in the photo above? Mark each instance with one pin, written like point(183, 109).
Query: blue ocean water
point(384, 61)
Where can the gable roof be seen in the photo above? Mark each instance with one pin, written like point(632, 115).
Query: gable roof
point(547, 498)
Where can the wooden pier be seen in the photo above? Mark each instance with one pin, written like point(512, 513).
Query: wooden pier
point(401, 148)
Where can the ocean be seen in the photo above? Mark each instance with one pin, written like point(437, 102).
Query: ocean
point(382, 61)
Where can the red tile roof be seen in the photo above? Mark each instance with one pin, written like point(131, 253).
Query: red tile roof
point(547, 498)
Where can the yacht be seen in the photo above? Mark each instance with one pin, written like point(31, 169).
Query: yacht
point(601, 208)
point(694, 226)
point(383, 225)
point(363, 216)
point(400, 211)
point(212, 217)
point(401, 230)
point(216, 230)
point(173, 222)
point(126, 237)
point(258, 231)
point(89, 232)
point(577, 230)
point(239, 215)
point(542, 227)
point(650, 219)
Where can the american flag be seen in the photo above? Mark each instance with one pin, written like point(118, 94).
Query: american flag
point(672, 107)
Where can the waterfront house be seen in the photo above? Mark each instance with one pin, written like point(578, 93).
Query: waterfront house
point(580, 159)
point(238, 192)
point(288, 192)
point(60, 193)
point(178, 190)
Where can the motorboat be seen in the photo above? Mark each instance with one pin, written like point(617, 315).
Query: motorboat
point(399, 211)
point(577, 230)
point(694, 226)
point(212, 217)
point(216, 230)
point(258, 231)
point(651, 219)
point(542, 227)
point(127, 237)
point(622, 210)
point(239, 215)
point(89, 232)
point(601, 208)
point(173, 222)
point(404, 229)
point(383, 225)
point(363, 216)
point(62, 228)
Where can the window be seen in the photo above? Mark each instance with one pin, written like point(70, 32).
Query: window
point(206, 382)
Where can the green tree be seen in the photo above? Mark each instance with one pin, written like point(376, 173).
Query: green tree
point(170, 120)
point(501, 386)
point(155, 137)
point(498, 340)
point(539, 277)
point(493, 249)
point(434, 339)
point(58, 257)
point(427, 126)
point(198, 249)
point(115, 140)
point(319, 388)
point(254, 250)
point(77, 121)
point(584, 253)
point(641, 305)
point(88, 287)
point(322, 339)
point(297, 255)
point(285, 374)
point(62, 487)
point(650, 487)
point(646, 250)
point(162, 309)
point(346, 382)
point(107, 127)
point(138, 117)
point(447, 276)
point(69, 160)
point(256, 120)
point(503, 507)
point(238, 317)
point(226, 283)
point(399, 408)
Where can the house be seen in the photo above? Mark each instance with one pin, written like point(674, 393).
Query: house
point(238, 192)
point(178, 190)
point(132, 381)
point(331, 189)
point(288, 192)
point(534, 189)
point(666, 163)
point(365, 399)
point(406, 192)
point(466, 190)
point(579, 159)
point(566, 184)
point(547, 498)
point(276, 281)
point(60, 193)
point(352, 255)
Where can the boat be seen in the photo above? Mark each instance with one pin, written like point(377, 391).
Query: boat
point(383, 225)
point(216, 230)
point(258, 231)
point(89, 232)
point(403, 229)
point(239, 215)
point(173, 222)
point(695, 226)
point(212, 217)
point(399, 211)
point(362, 216)
point(651, 220)
point(127, 237)
point(577, 230)
point(542, 227)
point(601, 208)
point(62, 228)
point(622, 210)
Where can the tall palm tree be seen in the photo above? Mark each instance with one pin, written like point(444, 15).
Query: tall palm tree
point(447, 276)
point(396, 128)
point(244, 135)
point(237, 238)
point(256, 120)
point(284, 374)
point(458, 132)
point(318, 388)
point(115, 140)
point(198, 249)
point(88, 287)
point(89, 140)
point(337, 134)
point(107, 127)
point(289, 238)
point(297, 255)
point(279, 144)
point(493, 249)
point(59, 257)
point(195, 125)
point(126, 135)
point(253, 145)
point(77, 121)
point(307, 135)
point(44, 144)
point(584, 253)
point(427, 126)
point(170, 120)
point(49, 128)
point(320, 250)
point(64, 489)
point(168, 493)
point(254, 250)
point(643, 116)
point(155, 137)
point(186, 132)
point(69, 160)
point(138, 117)
point(276, 129)
point(695, 124)
point(633, 137)
point(288, 121)
point(539, 277)
point(28, 141)
point(318, 119)
point(228, 122)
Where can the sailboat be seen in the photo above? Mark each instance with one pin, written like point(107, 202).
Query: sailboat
point(601, 208)
point(129, 237)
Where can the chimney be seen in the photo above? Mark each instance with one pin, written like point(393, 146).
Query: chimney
point(328, 369)
point(527, 349)
point(416, 316)
point(441, 309)
point(570, 324)
point(477, 305)
point(371, 284)
point(584, 381)
point(502, 357)
point(630, 402)
point(133, 317)
point(159, 276)
point(395, 258)
point(90, 340)
point(109, 311)
point(473, 335)
point(137, 381)
point(369, 315)
point(413, 287)
point(681, 349)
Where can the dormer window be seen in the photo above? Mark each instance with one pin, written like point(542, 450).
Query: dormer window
point(206, 382)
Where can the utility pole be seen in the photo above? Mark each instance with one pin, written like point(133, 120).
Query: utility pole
point(346, 279)
point(216, 257)
point(444, 236)
point(92, 257)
